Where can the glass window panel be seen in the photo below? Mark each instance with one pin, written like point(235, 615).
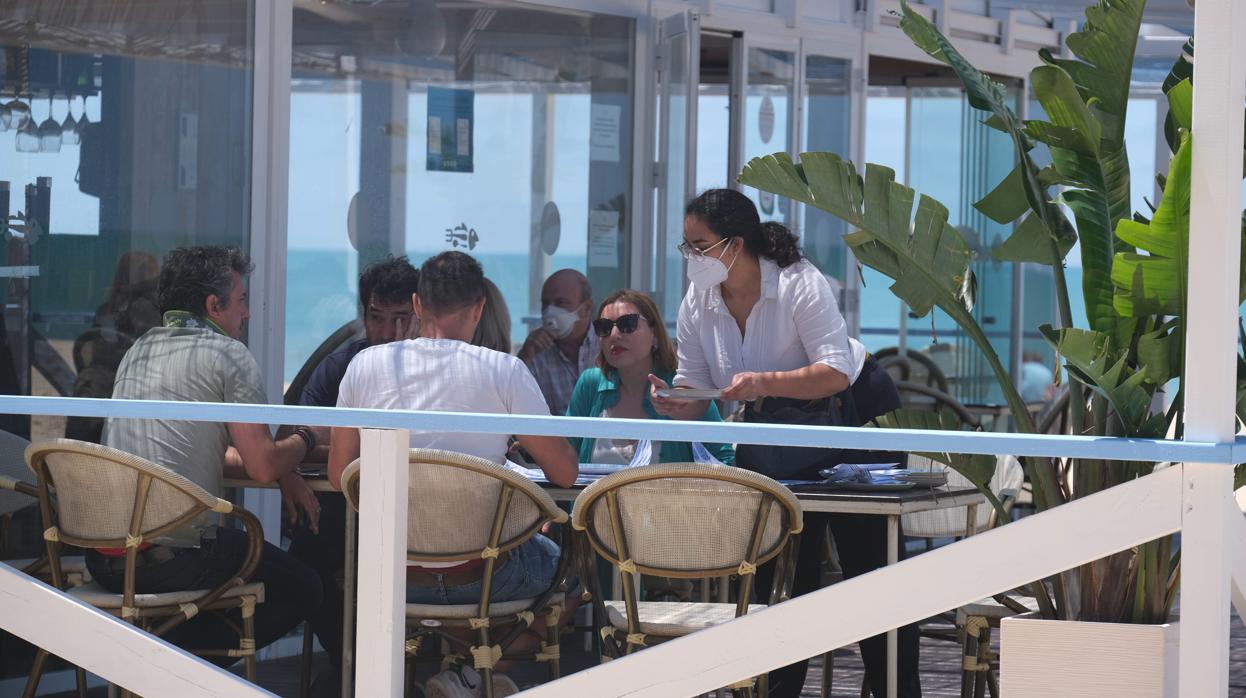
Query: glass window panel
point(423, 127)
point(767, 118)
point(827, 126)
point(140, 142)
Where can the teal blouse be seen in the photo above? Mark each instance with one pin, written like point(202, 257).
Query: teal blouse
point(595, 392)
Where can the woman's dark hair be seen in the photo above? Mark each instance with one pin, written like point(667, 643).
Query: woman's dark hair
point(663, 351)
point(450, 281)
point(391, 281)
point(191, 274)
point(730, 214)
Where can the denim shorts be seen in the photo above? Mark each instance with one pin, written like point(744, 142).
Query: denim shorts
point(528, 571)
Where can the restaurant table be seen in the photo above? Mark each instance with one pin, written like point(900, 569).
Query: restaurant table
point(813, 498)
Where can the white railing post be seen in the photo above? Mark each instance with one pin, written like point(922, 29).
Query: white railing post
point(382, 562)
point(1211, 341)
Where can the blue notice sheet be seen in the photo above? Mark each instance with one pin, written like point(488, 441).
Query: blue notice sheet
point(451, 123)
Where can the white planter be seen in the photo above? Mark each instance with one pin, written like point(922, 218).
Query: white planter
point(1073, 658)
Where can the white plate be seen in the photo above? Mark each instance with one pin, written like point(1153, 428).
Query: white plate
point(688, 394)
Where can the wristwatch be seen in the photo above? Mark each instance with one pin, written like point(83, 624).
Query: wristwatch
point(307, 435)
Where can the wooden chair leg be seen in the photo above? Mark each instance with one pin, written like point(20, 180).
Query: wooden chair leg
point(828, 670)
point(36, 673)
point(305, 667)
point(983, 662)
point(553, 638)
point(80, 678)
point(486, 683)
point(248, 630)
point(971, 635)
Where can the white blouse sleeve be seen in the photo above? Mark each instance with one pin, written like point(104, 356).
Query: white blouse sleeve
point(693, 370)
point(820, 325)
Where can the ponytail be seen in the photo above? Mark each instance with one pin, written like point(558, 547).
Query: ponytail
point(729, 214)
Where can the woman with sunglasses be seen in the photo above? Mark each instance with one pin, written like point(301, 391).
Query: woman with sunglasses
point(761, 321)
point(634, 345)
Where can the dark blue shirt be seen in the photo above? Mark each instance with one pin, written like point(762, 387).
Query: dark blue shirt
point(321, 389)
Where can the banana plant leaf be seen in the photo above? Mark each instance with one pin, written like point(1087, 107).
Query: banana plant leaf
point(1047, 235)
point(1157, 283)
point(1182, 71)
point(1159, 352)
point(1091, 357)
point(1086, 101)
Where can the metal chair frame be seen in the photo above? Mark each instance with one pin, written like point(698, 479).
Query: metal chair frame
point(174, 614)
point(620, 556)
point(486, 653)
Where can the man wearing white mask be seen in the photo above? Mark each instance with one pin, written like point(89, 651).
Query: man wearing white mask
point(562, 348)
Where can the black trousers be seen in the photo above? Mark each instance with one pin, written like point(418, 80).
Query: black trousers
point(861, 541)
point(291, 589)
point(324, 552)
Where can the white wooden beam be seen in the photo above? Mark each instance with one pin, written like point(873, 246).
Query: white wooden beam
point(1210, 376)
point(107, 647)
point(846, 612)
point(382, 549)
point(1235, 534)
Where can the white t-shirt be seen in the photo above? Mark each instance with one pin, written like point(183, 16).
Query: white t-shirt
point(443, 375)
point(795, 323)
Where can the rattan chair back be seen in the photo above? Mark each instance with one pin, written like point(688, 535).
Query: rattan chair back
point(450, 496)
point(106, 497)
point(687, 520)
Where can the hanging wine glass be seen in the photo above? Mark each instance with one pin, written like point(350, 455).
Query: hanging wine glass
point(83, 122)
point(50, 132)
point(28, 137)
point(69, 127)
point(19, 113)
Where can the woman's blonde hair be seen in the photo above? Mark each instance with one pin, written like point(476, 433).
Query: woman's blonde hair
point(663, 350)
point(494, 330)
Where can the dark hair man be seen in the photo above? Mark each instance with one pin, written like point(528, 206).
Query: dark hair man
point(386, 289)
point(196, 355)
point(443, 371)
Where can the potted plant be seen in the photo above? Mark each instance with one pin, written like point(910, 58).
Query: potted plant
point(1134, 287)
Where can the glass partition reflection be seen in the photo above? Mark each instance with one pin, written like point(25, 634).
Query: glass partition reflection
point(827, 127)
point(416, 127)
point(767, 119)
point(122, 135)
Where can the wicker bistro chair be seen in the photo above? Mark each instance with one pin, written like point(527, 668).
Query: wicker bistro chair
point(973, 622)
point(447, 496)
point(685, 521)
point(107, 498)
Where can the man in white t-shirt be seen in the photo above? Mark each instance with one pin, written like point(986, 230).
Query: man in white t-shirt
point(441, 371)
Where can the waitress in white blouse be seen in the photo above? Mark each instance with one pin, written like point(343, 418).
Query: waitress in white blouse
point(758, 321)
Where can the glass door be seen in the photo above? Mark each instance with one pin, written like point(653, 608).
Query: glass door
point(768, 103)
point(678, 74)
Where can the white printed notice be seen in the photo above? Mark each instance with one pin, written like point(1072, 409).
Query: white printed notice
point(434, 135)
point(603, 239)
point(603, 139)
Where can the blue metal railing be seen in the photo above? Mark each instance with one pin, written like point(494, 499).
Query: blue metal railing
point(1107, 448)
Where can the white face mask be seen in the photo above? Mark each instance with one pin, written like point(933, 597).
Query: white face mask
point(558, 321)
point(705, 271)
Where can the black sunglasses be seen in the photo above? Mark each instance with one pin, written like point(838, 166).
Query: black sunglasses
point(627, 324)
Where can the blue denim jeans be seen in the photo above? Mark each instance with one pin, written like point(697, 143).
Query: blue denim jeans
point(527, 572)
